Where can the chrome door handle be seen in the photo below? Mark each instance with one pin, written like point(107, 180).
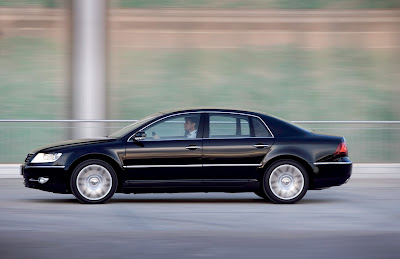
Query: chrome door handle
point(192, 147)
point(260, 145)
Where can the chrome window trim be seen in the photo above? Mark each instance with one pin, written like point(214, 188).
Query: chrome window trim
point(240, 138)
point(191, 165)
point(172, 139)
point(333, 163)
point(245, 114)
point(45, 166)
point(172, 115)
point(209, 112)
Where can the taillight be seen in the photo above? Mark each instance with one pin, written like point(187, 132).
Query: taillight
point(341, 150)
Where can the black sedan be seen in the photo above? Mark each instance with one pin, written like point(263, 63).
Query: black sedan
point(197, 150)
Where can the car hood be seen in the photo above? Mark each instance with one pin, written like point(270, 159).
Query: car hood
point(71, 143)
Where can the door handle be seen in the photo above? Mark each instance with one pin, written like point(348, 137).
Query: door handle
point(260, 145)
point(194, 147)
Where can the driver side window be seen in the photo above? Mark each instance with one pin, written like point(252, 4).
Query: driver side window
point(176, 127)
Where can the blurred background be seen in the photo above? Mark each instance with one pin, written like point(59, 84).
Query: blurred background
point(310, 60)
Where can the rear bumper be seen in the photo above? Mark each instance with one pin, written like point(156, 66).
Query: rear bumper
point(332, 173)
point(57, 182)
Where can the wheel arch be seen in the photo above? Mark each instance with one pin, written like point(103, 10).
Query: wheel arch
point(114, 164)
point(303, 162)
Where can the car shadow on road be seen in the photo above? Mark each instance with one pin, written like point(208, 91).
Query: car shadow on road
point(186, 200)
point(53, 201)
point(218, 200)
point(151, 201)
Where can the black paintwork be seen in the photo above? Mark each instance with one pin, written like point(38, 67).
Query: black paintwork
point(215, 165)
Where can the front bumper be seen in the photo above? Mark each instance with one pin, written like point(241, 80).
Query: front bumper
point(332, 173)
point(57, 183)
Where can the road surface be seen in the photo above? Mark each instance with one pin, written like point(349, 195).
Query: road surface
point(358, 220)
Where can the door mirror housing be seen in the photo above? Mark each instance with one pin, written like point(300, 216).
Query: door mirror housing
point(140, 136)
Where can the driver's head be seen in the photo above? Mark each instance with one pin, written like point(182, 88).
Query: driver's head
point(191, 123)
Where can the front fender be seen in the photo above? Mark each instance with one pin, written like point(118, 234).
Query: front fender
point(100, 151)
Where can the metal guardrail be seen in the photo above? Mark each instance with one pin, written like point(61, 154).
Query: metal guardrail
point(368, 141)
point(68, 120)
point(346, 122)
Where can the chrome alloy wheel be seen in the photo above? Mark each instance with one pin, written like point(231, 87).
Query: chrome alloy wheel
point(94, 182)
point(286, 182)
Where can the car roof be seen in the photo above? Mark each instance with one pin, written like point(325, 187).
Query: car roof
point(212, 110)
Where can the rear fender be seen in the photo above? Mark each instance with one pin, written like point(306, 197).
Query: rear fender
point(297, 152)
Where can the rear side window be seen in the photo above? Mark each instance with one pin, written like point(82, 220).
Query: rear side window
point(259, 128)
point(229, 126)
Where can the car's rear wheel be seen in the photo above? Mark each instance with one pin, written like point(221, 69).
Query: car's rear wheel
point(93, 181)
point(285, 181)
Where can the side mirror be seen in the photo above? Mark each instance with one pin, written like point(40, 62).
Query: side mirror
point(140, 136)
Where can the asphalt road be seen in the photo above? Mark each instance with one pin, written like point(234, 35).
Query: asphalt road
point(358, 220)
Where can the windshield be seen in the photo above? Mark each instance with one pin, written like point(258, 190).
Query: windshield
point(122, 132)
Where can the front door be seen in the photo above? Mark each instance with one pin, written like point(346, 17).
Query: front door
point(170, 153)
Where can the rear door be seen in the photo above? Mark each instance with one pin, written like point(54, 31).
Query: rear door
point(234, 146)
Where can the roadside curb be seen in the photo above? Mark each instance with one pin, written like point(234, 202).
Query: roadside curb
point(378, 171)
point(360, 170)
point(10, 171)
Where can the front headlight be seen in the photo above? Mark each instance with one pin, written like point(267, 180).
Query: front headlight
point(46, 158)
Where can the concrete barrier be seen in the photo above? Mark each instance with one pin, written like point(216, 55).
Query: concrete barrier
point(364, 170)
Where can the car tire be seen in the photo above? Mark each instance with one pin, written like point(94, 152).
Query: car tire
point(285, 181)
point(93, 181)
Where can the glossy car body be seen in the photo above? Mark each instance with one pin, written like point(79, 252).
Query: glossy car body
point(233, 151)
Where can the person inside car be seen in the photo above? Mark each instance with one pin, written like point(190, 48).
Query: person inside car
point(190, 127)
point(191, 124)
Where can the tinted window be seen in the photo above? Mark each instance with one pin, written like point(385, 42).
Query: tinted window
point(259, 128)
point(229, 126)
point(176, 127)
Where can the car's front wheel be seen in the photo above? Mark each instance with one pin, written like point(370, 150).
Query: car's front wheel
point(93, 181)
point(285, 181)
